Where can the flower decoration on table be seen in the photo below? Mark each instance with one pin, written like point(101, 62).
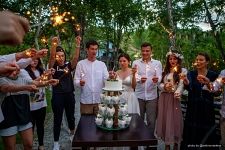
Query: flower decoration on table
point(99, 120)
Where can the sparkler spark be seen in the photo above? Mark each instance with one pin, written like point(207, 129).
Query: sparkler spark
point(28, 53)
point(175, 69)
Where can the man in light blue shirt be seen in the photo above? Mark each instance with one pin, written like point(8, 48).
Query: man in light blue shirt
point(149, 74)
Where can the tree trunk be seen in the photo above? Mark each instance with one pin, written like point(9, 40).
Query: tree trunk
point(215, 33)
point(38, 28)
point(172, 34)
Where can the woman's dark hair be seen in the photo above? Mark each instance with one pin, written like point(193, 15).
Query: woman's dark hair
point(207, 58)
point(168, 67)
point(125, 56)
point(39, 67)
point(60, 49)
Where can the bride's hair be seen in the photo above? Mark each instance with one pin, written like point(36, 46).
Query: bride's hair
point(125, 56)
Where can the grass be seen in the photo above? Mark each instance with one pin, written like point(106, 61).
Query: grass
point(49, 109)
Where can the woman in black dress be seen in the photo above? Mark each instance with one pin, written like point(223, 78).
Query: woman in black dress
point(200, 116)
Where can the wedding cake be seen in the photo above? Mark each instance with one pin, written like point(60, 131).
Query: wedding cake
point(113, 85)
point(113, 113)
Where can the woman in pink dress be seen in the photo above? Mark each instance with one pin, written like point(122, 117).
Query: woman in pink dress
point(169, 125)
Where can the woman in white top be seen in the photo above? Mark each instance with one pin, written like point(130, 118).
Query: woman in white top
point(38, 101)
point(127, 75)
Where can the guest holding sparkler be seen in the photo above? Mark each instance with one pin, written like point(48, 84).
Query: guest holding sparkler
point(90, 76)
point(200, 116)
point(169, 124)
point(24, 58)
point(217, 86)
point(38, 101)
point(16, 108)
point(149, 74)
point(62, 94)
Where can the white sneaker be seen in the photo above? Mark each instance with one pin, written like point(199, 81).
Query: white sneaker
point(56, 146)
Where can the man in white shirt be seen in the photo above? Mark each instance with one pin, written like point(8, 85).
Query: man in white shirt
point(90, 75)
point(149, 74)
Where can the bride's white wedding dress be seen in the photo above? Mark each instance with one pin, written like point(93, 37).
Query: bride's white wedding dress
point(129, 96)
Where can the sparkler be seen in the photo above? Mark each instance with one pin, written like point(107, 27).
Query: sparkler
point(44, 41)
point(44, 77)
point(28, 52)
point(175, 69)
point(155, 69)
point(82, 75)
point(77, 28)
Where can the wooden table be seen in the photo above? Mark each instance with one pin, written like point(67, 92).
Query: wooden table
point(89, 135)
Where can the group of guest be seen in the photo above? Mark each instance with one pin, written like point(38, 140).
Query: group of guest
point(155, 93)
point(149, 90)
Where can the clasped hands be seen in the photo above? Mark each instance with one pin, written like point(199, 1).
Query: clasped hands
point(169, 87)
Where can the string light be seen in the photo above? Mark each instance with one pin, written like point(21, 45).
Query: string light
point(28, 12)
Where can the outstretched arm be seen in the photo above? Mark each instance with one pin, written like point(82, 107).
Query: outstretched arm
point(5, 88)
point(54, 44)
point(76, 53)
point(45, 83)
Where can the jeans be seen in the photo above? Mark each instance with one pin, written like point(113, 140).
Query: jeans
point(149, 107)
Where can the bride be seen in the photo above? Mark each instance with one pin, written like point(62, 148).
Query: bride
point(127, 75)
